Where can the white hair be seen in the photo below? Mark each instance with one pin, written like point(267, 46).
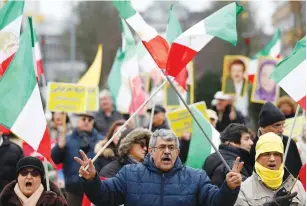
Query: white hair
point(164, 134)
point(104, 93)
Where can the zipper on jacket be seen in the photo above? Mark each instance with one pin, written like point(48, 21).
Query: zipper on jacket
point(162, 190)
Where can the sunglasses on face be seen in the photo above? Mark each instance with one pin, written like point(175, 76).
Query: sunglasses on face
point(141, 143)
point(25, 172)
point(89, 119)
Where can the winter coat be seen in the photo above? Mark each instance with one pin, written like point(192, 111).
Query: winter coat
point(111, 169)
point(225, 121)
point(254, 193)
point(216, 170)
point(293, 161)
point(10, 154)
point(48, 198)
point(144, 184)
point(66, 156)
point(107, 156)
point(103, 123)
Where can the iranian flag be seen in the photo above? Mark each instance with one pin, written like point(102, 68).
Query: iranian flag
point(172, 32)
point(156, 45)
point(38, 56)
point(21, 107)
point(200, 148)
point(220, 24)
point(290, 74)
point(272, 49)
point(10, 23)
point(124, 80)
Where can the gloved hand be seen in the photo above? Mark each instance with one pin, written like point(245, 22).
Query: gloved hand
point(285, 200)
point(282, 200)
point(49, 198)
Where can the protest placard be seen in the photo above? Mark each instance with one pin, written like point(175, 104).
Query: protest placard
point(92, 103)
point(66, 97)
point(180, 120)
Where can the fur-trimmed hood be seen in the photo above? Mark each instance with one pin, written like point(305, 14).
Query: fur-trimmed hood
point(107, 153)
point(126, 143)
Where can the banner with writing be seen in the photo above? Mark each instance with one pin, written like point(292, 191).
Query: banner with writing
point(66, 97)
point(180, 120)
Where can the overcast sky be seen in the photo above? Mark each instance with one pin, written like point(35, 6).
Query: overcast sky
point(60, 9)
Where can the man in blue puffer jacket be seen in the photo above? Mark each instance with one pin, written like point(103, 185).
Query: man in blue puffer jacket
point(161, 180)
point(84, 137)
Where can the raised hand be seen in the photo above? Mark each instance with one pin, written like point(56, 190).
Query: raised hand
point(90, 173)
point(234, 178)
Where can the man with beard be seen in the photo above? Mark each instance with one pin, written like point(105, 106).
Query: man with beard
point(84, 138)
point(160, 180)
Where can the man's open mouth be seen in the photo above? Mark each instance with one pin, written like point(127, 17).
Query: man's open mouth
point(272, 166)
point(166, 160)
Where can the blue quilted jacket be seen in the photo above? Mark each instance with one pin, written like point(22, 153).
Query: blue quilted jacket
point(146, 185)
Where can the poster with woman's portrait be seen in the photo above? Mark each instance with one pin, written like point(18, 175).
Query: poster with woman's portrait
point(265, 89)
point(235, 75)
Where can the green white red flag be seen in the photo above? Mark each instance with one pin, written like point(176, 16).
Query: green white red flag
point(38, 56)
point(220, 24)
point(172, 32)
point(156, 45)
point(124, 81)
point(21, 106)
point(10, 24)
point(273, 49)
point(290, 74)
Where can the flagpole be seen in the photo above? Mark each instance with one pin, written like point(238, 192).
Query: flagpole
point(46, 174)
point(291, 133)
point(197, 122)
point(127, 122)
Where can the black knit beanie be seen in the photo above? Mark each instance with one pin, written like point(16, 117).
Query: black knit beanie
point(269, 115)
point(31, 162)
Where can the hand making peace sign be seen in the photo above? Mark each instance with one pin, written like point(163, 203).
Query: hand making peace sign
point(234, 178)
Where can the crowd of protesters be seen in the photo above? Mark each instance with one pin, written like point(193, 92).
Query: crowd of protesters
point(142, 167)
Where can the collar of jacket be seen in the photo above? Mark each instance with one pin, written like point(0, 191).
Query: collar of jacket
point(245, 155)
point(149, 163)
point(93, 133)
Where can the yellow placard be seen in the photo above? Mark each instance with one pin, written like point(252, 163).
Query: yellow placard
point(92, 99)
point(180, 120)
point(65, 97)
point(298, 129)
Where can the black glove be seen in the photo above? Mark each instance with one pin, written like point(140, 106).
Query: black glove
point(282, 200)
point(49, 198)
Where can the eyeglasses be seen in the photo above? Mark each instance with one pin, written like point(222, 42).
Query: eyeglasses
point(89, 119)
point(142, 143)
point(162, 148)
point(25, 172)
